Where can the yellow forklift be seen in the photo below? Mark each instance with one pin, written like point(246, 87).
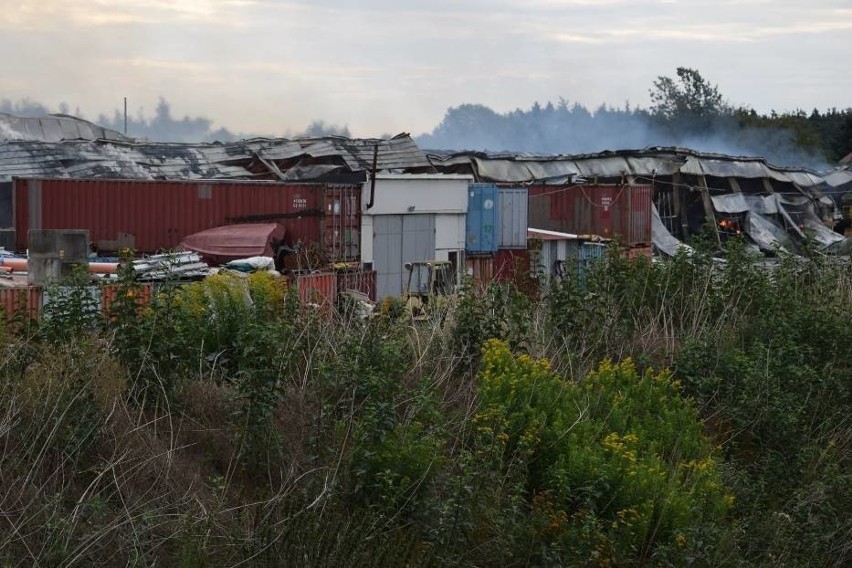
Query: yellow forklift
point(429, 287)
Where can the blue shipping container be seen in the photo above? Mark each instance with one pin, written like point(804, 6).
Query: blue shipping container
point(483, 219)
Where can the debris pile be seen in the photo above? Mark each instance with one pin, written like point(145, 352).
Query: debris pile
point(170, 266)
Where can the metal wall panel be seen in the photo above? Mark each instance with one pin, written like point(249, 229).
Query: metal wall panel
point(483, 219)
point(318, 288)
point(363, 281)
point(159, 214)
point(622, 212)
point(553, 255)
point(25, 300)
point(515, 266)
point(480, 269)
point(590, 254)
point(387, 254)
point(399, 239)
point(514, 218)
point(109, 293)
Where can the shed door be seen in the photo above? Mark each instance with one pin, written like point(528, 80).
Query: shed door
point(398, 239)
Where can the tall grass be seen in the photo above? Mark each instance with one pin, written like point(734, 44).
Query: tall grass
point(225, 424)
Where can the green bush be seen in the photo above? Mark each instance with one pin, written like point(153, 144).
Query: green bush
point(615, 469)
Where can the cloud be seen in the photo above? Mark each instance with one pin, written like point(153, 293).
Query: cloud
point(57, 14)
point(366, 63)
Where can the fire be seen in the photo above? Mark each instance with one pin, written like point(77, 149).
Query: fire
point(730, 226)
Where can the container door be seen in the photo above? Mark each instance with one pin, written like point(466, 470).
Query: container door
point(399, 239)
point(482, 224)
point(387, 254)
point(342, 224)
point(513, 217)
point(605, 205)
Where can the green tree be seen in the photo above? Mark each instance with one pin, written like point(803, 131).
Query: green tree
point(688, 100)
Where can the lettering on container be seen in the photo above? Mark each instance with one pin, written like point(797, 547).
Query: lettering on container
point(300, 202)
point(606, 202)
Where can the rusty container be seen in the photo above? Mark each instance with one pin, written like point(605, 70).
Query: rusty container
point(480, 269)
point(319, 288)
point(363, 281)
point(516, 267)
point(151, 216)
point(620, 212)
point(29, 299)
point(639, 252)
point(109, 292)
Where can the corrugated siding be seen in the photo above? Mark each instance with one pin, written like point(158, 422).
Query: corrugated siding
point(554, 253)
point(318, 288)
point(28, 299)
point(480, 269)
point(363, 281)
point(514, 221)
point(398, 239)
point(590, 254)
point(515, 266)
point(159, 214)
point(622, 212)
point(483, 218)
point(109, 293)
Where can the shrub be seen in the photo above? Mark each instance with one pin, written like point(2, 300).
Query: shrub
point(614, 469)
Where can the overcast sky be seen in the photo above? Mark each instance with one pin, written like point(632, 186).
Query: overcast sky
point(384, 66)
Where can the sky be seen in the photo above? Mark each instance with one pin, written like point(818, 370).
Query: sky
point(383, 66)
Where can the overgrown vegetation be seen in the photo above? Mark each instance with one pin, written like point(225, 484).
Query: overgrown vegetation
point(692, 412)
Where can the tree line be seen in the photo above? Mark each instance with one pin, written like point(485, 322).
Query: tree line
point(686, 110)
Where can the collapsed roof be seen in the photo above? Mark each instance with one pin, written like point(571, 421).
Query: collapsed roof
point(331, 158)
point(54, 128)
point(643, 165)
point(67, 147)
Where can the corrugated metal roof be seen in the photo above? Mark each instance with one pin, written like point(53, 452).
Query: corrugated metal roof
point(54, 128)
point(838, 178)
point(260, 158)
point(644, 164)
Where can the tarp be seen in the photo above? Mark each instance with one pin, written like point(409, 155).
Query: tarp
point(816, 230)
point(232, 242)
point(663, 240)
point(730, 203)
point(768, 236)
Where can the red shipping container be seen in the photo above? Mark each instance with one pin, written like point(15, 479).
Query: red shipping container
point(156, 215)
point(613, 211)
point(515, 266)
